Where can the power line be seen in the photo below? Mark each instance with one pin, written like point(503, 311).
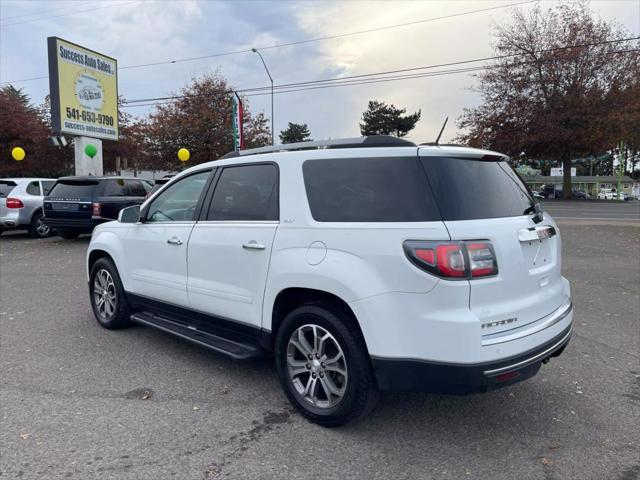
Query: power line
point(169, 100)
point(46, 11)
point(67, 14)
point(300, 42)
point(403, 70)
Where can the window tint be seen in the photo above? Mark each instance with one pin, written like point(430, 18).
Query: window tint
point(33, 188)
point(5, 187)
point(178, 202)
point(247, 192)
point(468, 189)
point(46, 186)
point(70, 189)
point(119, 187)
point(368, 190)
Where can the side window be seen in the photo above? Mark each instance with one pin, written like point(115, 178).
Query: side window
point(178, 201)
point(33, 188)
point(377, 189)
point(248, 192)
point(46, 186)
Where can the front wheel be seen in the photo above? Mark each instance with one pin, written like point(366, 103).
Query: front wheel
point(38, 229)
point(323, 365)
point(108, 300)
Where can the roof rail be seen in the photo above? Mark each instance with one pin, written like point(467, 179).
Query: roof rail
point(433, 144)
point(357, 142)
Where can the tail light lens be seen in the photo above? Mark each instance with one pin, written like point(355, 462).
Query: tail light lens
point(455, 260)
point(14, 203)
point(96, 209)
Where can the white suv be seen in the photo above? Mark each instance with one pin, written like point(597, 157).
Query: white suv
point(364, 264)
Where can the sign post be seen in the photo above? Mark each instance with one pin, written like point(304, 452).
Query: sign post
point(83, 87)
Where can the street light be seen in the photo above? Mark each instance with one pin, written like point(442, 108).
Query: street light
point(255, 50)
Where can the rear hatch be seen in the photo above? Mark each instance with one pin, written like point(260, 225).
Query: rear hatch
point(6, 186)
point(482, 198)
point(71, 199)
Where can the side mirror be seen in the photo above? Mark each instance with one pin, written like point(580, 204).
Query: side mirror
point(129, 214)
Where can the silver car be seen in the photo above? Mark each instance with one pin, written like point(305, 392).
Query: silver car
point(21, 204)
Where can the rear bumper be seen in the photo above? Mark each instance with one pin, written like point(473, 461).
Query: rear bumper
point(14, 220)
point(449, 378)
point(80, 224)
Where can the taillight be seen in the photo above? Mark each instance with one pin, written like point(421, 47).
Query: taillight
point(14, 203)
point(456, 260)
point(96, 209)
point(482, 259)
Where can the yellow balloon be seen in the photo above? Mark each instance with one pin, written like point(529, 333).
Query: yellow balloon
point(18, 154)
point(183, 154)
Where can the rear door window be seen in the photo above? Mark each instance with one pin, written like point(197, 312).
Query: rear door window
point(73, 189)
point(246, 193)
point(380, 189)
point(5, 187)
point(468, 189)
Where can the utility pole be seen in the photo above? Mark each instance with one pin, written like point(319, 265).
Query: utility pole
point(255, 50)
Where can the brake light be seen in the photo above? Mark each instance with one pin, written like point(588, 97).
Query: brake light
point(14, 203)
point(96, 209)
point(455, 260)
point(451, 260)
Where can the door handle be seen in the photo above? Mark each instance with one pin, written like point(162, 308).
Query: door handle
point(253, 245)
point(174, 241)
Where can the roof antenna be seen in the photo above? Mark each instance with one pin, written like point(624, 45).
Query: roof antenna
point(442, 129)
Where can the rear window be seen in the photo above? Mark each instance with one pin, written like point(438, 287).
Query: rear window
point(72, 189)
point(46, 186)
point(5, 187)
point(119, 187)
point(468, 189)
point(390, 189)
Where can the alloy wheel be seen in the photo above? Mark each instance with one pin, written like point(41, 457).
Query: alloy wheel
point(317, 366)
point(41, 228)
point(104, 294)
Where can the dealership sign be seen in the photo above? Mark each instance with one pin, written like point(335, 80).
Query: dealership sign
point(83, 85)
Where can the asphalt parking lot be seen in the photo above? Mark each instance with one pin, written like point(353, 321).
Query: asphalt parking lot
point(78, 401)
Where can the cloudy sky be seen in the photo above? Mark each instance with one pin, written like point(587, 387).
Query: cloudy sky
point(148, 31)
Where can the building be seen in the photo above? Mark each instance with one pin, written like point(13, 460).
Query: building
point(587, 184)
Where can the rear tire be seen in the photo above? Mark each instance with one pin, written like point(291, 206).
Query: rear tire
point(68, 233)
point(37, 228)
point(309, 372)
point(108, 299)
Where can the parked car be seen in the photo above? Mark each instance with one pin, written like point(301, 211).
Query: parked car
point(363, 264)
point(21, 205)
point(611, 194)
point(76, 205)
point(158, 183)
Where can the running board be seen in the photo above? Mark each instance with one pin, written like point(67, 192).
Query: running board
point(230, 348)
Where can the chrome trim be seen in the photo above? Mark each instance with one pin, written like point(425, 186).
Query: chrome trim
point(238, 222)
point(536, 233)
point(530, 360)
point(550, 320)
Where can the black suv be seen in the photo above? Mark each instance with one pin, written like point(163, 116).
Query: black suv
point(76, 205)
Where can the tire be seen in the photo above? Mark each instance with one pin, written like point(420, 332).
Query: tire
point(356, 392)
point(68, 234)
point(113, 312)
point(37, 228)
